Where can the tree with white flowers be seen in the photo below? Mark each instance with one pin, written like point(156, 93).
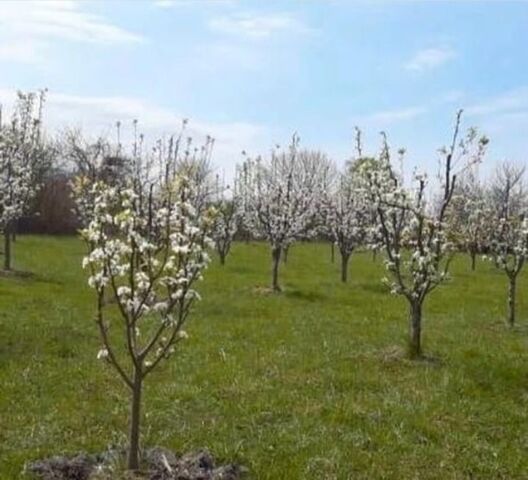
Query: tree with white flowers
point(348, 216)
point(195, 163)
point(469, 216)
point(412, 226)
point(146, 254)
point(21, 148)
point(508, 228)
point(228, 213)
point(281, 196)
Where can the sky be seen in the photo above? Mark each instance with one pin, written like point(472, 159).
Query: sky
point(251, 73)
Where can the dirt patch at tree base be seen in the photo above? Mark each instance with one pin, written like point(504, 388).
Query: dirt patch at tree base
point(15, 274)
point(157, 464)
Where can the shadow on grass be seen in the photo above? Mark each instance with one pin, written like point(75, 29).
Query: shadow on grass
point(18, 274)
point(27, 277)
point(376, 288)
point(305, 295)
point(501, 326)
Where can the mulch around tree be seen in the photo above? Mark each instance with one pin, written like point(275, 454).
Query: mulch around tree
point(157, 464)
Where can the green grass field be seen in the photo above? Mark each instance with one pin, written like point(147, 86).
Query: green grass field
point(307, 384)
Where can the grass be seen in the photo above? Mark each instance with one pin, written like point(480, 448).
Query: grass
point(307, 384)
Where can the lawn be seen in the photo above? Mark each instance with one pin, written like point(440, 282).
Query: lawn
point(308, 384)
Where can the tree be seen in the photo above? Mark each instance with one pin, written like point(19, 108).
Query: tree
point(469, 216)
point(21, 150)
point(194, 162)
point(508, 229)
point(356, 168)
point(228, 212)
point(281, 196)
point(148, 257)
point(348, 217)
point(147, 248)
point(413, 229)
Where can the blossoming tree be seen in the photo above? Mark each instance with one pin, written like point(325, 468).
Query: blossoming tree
point(146, 252)
point(508, 228)
point(412, 227)
point(194, 162)
point(468, 220)
point(20, 151)
point(228, 210)
point(280, 198)
point(348, 217)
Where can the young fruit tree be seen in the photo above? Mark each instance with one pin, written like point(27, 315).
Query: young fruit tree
point(412, 226)
point(469, 216)
point(228, 211)
point(348, 216)
point(281, 196)
point(508, 228)
point(21, 148)
point(146, 254)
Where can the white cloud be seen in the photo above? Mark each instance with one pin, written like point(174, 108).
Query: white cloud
point(257, 26)
point(453, 96)
point(387, 117)
point(98, 115)
point(165, 3)
point(28, 27)
point(22, 52)
point(505, 118)
point(430, 58)
point(512, 101)
point(191, 3)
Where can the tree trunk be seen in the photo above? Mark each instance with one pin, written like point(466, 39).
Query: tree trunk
point(473, 260)
point(275, 255)
point(7, 247)
point(344, 267)
point(374, 255)
point(415, 330)
point(222, 258)
point(511, 301)
point(135, 418)
point(332, 252)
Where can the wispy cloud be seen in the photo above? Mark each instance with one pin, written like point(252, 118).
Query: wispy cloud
point(165, 3)
point(22, 52)
point(387, 117)
point(258, 26)
point(430, 58)
point(511, 102)
point(505, 118)
point(191, 3)
point(28, 27)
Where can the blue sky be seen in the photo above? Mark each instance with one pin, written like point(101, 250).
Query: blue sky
point(251, 72)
